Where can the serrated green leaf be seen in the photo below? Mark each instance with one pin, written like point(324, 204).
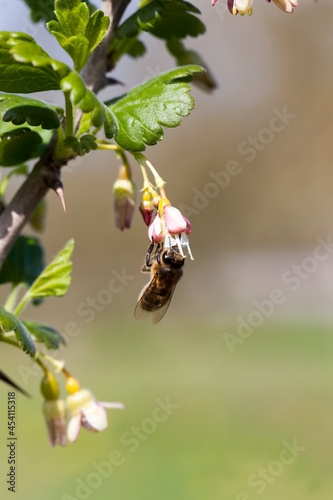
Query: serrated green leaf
point(136, 49)
point(19, 110)
point(73, 16)
point(10, 323)
point(163, 100)
point(88, 102)
point(163, 19)
point(24, 338)
point(77, 32)
point(19, 145)
point(96, 29)
point(178, 20)
point(41, 11)
point(24, 263)
point(7, 320)
point(83, 145)
point(29, 52)
point(17, 70)
point(55, 279)
point(143, 19)
point(45, 134)
point(45, 334)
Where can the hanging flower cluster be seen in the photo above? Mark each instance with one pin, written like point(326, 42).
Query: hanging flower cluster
point(83, 409)
point(166, 224)
point(245, 6)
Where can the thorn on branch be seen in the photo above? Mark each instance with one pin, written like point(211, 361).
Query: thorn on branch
point(60, 192)
point(52, 179)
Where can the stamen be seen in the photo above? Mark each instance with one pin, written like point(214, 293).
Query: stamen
point(179, 245)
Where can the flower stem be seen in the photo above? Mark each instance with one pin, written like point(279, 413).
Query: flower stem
point(158, 179)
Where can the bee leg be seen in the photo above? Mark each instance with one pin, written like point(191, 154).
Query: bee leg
point(148, 264)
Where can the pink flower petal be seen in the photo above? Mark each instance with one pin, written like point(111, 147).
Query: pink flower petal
point(155, 233)
point(174, 221)
point(188, 229)
point(231, 6)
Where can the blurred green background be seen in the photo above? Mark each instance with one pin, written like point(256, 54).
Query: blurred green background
point(237, 411)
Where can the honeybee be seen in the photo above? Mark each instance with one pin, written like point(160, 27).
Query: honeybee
point(165, 266)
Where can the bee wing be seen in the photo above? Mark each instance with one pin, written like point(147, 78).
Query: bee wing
point(139, 312)
point(160, 312)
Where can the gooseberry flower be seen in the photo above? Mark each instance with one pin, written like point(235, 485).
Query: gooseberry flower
point(243, 6)
point(86, 411)
point(124, 190)
point(170, 226)
point(54, 410)
point(146, 207)
point(285, 5)
point(55, 416)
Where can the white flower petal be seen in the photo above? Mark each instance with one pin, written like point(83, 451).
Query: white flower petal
point(96, 416)
point(243, 6)
point(110, 406)
point(73, 428)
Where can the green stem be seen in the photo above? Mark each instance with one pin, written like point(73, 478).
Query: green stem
point(22, 304)
point(104, 145)
point(69, 128)
point(158, 179)
point(11, 299)
point(9, 339)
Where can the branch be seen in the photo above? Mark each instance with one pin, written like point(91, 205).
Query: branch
point(94, 72)
point(45, 175)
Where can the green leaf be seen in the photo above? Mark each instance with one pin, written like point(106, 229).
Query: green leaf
point(82, 146)
point(44, 133)
point(29, 52)
point(178, 20)
point(10, 323)
point(164, 19)
point(19, 145)
point(143, 19)
point(18, 110)
point(24, 263)
point(163, 100)
point(44, 10)
point(55, 279)
point(88, 102)
point(41, 11)
point(76, 31)
point(183, 56)
point(18, 73)
point(45, 334)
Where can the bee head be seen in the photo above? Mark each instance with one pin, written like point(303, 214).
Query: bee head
point(172, 258)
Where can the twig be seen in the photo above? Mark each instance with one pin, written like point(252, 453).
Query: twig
point(94, 72)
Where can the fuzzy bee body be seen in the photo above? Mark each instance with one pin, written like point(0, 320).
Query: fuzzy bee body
point(166, 271)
